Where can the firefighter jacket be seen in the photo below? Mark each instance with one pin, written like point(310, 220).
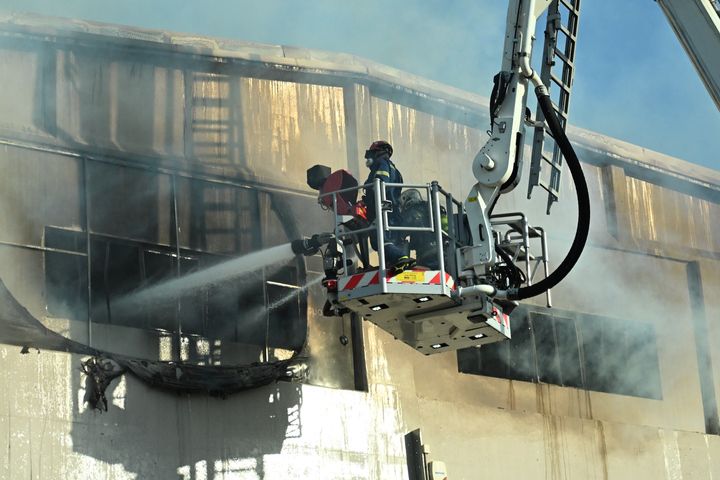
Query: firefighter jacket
point(385, 170)
point(424, 243)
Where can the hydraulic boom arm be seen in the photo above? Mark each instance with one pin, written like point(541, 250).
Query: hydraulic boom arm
point(697, 25)
point(498, 165)
point(499, 161)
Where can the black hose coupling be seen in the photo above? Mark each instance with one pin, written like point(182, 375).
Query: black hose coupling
point(542, 91)
point(311, 246)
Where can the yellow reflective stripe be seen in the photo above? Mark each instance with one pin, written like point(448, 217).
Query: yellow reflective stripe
point(384, 174)
point(472, 199)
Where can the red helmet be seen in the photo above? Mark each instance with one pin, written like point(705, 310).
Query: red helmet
point(379, 146)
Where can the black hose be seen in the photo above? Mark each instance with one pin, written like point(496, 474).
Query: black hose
point(515, 275)
point(583, 198)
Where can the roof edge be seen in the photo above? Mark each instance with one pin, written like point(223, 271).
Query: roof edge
point(311, 59)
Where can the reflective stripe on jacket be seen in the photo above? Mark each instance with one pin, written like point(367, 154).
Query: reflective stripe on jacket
point(385, 170)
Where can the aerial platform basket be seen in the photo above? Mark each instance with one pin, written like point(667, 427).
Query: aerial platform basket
point(421, 306)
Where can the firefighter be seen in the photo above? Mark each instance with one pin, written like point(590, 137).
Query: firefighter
point(377, 159)
point(415, 213)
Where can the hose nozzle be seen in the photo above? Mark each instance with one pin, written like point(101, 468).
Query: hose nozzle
point(311, 246)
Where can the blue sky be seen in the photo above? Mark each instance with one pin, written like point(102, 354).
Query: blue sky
point(633, 80)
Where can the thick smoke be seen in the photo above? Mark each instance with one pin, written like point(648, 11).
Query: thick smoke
point(460, 46)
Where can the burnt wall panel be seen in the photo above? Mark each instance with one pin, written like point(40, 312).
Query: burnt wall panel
point(167, 107)
point(130, 203)
point(38, 190)
point(290, 127)
point(22, 87)
point(94, 107)
point(710, 276)
point(427, 147)
point(22, 271)
point(662, 215)
point(84, 98)
point(218, 218)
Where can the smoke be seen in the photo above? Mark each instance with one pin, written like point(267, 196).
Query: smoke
point(460, 46)
point(620, 75)
point(624, 316)
point(634, 311)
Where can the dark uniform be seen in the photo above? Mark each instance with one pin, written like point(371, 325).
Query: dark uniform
point(385, 170)
point(382, 167)
point(424, 243)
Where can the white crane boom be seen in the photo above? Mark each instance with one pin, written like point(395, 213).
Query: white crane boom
point(697, 25)
point(477, 264)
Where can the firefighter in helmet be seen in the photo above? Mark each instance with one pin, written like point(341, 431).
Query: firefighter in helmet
point(377, 159)
point(415, 212)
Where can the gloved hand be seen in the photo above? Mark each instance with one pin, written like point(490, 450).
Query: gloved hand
point(360, 210)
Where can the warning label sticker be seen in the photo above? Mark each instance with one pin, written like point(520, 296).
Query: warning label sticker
point(410, 276)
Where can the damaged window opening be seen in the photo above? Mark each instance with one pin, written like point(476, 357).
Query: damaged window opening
point(573, 350)
point(258, 308)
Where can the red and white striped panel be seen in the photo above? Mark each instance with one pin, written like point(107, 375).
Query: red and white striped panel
point(358, 280)
point(423, 277)
point(502, 318)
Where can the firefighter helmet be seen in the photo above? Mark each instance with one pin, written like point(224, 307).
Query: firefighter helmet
point(379, 146)
point(409, 198)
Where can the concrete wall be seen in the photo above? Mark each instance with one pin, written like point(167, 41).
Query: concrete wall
point(132, 111)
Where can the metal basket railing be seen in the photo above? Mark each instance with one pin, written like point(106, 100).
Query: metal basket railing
point(382, 224)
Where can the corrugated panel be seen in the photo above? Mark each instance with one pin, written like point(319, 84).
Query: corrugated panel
point(132, 106)
point(427, 147)
point(289, 127)
point(38, 190)
point(21, 82)
point(663, 215)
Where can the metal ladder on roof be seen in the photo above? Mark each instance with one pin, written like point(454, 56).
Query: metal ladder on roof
point(211, 116)
point(226, 216)
point(559, 51)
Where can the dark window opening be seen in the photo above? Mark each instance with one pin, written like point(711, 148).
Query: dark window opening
point(620, 357)
point(557, 350)
point(582, 351)
point(503, 359)
point(66, 274)
point(265, 307)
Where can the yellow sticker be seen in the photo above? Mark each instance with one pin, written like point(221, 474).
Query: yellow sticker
point(410, 276)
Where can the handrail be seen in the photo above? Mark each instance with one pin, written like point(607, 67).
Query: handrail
point(433, 198)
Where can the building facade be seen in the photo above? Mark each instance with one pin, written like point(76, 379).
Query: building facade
point(130, 157)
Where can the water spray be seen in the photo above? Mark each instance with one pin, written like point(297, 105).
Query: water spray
point(293, 294)
point(224, 271)
point(259, 313)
